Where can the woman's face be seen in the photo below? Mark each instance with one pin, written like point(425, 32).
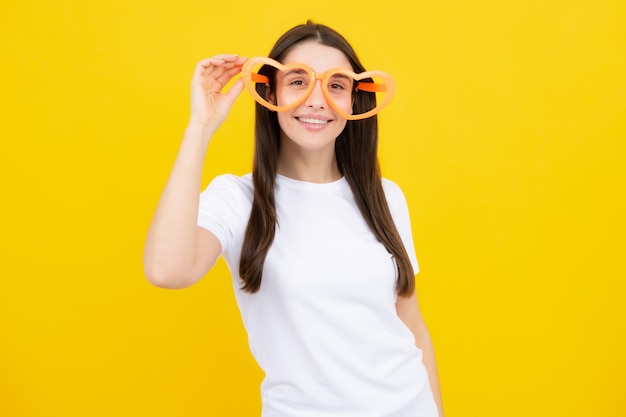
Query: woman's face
point(313, 125)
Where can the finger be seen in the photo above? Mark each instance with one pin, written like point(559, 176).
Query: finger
point(227, 75)
point(230, 96)
point(227, 57)
point(207, 75)
point(213, 73)
point(202, 67)
point(220, 72)
point(226, 65)
point(219, 59)
point(208, 64)
point(217, 77)
point(235, 90)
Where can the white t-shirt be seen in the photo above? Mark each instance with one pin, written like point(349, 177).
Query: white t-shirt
point(323, 325)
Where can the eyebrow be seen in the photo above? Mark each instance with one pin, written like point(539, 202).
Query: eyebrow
point(297, 71)
point(342, 76)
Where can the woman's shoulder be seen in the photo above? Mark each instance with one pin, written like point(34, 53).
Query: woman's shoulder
point(232, 181)
point(233, 178)
point(395, 197)
point(231, 185)
point(224, 208)
point(392, 189)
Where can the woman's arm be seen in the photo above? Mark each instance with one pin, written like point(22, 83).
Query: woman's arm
point(409, 312)
point(177, 252)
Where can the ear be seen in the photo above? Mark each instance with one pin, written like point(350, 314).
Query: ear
point(353, 99)
point(270, 95)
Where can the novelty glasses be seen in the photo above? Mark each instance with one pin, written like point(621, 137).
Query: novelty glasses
point(340, 86)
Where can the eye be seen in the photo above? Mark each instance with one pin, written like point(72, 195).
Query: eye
point(339, 84)
point(297, 83)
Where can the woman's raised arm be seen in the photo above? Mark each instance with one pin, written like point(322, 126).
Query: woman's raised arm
point(177, 252)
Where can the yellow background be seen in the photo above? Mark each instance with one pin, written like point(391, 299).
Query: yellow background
point(507, 136)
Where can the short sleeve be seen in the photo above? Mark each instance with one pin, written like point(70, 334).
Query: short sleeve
point(224, 208)
point(400, 214)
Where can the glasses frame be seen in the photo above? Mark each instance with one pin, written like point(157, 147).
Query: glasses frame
point(250, 79)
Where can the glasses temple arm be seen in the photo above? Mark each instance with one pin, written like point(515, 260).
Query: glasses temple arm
point(258, 78)
point(371, 87)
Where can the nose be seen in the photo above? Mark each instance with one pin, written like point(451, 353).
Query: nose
point(316, 99)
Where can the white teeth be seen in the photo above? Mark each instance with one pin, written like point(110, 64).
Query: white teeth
point(313, 121)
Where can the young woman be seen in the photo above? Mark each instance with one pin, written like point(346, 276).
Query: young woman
point(318, 245)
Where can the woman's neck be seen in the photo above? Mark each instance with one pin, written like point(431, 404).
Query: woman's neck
point(310, 166)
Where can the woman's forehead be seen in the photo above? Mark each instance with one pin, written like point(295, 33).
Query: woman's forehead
point(317, 56)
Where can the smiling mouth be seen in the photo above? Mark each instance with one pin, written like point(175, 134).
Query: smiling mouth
point(313, 121)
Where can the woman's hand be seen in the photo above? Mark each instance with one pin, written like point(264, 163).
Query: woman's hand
point(209, 106)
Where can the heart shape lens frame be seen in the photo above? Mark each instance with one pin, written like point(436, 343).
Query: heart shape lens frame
point(370, 81)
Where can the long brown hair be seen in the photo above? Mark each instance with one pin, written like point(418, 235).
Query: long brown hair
point(356, 152)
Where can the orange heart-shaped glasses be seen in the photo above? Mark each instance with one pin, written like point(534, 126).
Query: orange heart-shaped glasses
point(364, 81)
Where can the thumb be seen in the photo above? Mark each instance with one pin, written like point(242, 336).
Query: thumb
point(235, 90)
